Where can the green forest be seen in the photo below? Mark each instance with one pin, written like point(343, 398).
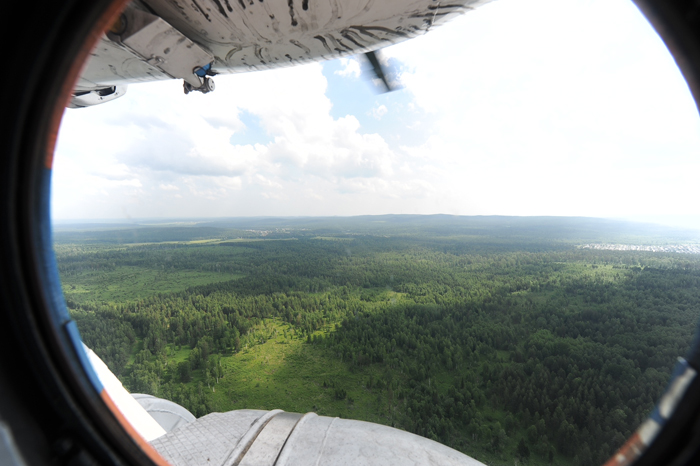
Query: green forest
point(502, 337)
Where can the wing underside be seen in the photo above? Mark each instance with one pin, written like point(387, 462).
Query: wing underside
point(166, 39)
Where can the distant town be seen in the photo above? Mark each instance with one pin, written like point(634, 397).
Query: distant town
point(679, 248)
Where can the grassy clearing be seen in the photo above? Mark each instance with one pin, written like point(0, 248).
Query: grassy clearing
point(255, 240)
point(176, 355)
point(287, 373)
point(197, 241)
point(125, 283)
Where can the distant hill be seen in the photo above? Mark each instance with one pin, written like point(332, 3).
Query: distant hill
point(519, 229)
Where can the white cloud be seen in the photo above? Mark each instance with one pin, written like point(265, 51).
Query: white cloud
point(174, 144)
point(380, 111)
point(544, 107)
point(554, 109)
point(351, 67)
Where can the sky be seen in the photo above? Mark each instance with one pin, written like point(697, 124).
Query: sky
point(544, 107)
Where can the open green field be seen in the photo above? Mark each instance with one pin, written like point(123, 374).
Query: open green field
point(132, 283)
point(286, 373)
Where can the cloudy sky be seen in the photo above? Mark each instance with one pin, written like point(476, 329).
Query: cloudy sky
point(544, 107)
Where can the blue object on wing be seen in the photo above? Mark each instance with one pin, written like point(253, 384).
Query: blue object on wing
point(202, 72)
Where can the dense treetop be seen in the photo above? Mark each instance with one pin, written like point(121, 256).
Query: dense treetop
point(495, 335)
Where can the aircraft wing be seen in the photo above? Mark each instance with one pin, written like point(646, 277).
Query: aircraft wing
point(194, 40)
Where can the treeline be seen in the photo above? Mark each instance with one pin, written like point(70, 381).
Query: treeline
point(577, 366)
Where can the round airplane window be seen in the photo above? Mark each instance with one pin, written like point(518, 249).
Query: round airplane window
point(446, 261)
